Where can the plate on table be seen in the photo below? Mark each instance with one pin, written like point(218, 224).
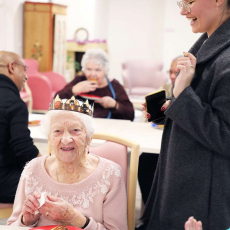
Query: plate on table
point(90, 97)
point(55, 227)
point(157, 126)
point(34, 123)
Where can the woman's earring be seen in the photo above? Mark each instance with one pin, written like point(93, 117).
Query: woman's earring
point(49, 149)
point(88, 149)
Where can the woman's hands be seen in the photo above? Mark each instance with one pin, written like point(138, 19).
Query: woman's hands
point(106, 102)
point(59, 210)
point(193, 224)
point(187, 66)
point(55, 209)
point(163, 108)
point(144, 109)
point(84, 87)
point(31, 204)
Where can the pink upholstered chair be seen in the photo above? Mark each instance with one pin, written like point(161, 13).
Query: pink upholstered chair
point(5, 210)
point(32, 65)
point(41, 92)
point(114, 152)
point(115, 149)
point(143, 76)
point(57, 81)
point(43, 85)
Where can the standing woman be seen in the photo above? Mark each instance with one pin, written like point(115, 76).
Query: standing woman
point(193, 173)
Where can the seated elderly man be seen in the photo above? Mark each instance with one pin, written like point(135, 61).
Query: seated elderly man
point(83, 190)
point(16, 145)
point(114, 102)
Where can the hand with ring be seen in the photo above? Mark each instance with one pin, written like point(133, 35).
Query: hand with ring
point(144, 109)
point(163, 108)
point(59, 210)
point(186, 65)
point(31, 205)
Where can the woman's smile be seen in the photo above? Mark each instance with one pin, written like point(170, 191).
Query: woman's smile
point(67, 149)
point(69, 138)
point(192, 20)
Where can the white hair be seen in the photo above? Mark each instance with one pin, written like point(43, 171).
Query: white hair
point(86, 120)
point(99, 56)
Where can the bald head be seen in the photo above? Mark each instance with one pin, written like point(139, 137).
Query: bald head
point(7, 57)
point(12, 66)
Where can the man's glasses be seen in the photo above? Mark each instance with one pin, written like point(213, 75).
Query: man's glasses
point(182, 4)
point(24, 66)
point(172, 72)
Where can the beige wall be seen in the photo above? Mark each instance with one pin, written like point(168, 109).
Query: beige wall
point(178, 35)
point(132, 28)
point(11, 25)
point(80, 14)
point(135, 31)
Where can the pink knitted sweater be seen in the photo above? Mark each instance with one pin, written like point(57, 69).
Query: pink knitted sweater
point(101, 196)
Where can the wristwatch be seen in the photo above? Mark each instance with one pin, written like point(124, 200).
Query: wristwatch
point(86, 223)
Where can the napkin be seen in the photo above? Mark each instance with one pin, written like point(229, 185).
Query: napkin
point(41, 201)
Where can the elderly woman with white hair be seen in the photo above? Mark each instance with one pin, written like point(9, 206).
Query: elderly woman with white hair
point(114, 102)
point(79, 189)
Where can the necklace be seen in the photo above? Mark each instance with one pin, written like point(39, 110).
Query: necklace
point(57, 176)
point(76, 176)
point(66, 179)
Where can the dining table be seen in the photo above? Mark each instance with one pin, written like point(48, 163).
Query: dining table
point(4, 227)
point(144, 133)
point(10, 227)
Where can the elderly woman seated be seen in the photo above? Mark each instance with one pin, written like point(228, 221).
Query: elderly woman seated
point(114, 102)
point(82, 189)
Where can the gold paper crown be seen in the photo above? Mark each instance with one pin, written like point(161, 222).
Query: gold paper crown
point(72, 105)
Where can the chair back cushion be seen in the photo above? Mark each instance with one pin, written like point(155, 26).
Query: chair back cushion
point(114, 152)
point(32, 65)
point(41, 91)
point(5, 205)
point(146, 74)
point(58, 81)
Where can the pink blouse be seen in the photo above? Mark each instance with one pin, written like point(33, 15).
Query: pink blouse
point(101, 196)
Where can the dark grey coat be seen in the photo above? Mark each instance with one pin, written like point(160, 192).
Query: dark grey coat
point(193, 174)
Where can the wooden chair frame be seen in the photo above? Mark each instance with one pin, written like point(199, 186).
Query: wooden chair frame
point(132, 173)
point(5, 210)
point(29, 100)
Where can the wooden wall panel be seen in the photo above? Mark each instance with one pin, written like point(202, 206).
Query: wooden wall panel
point(38, 32)
point(37, 38)
point(57, 9)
